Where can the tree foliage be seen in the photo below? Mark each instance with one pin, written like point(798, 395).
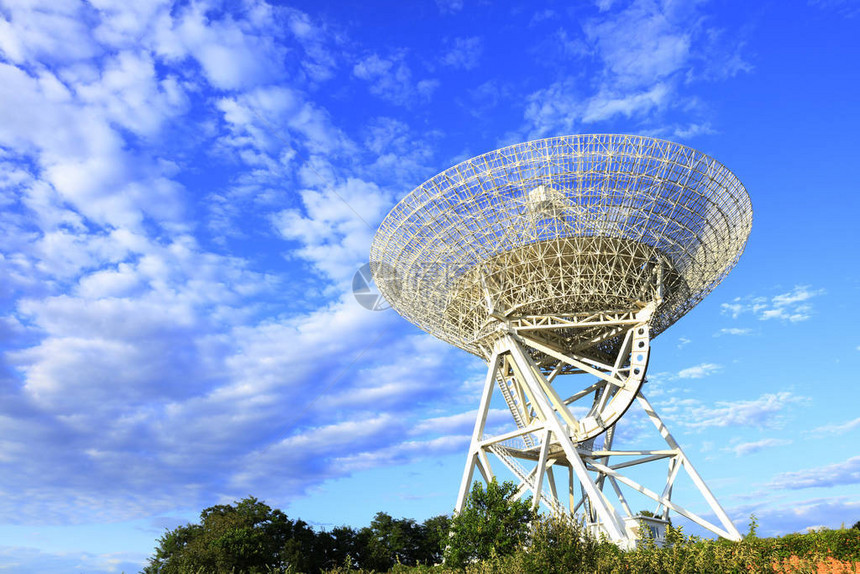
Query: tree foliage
point(246, 537)
point(491, 523)
point(493, 534)
point(389, 541)
point(559, 544)
point(250, 537)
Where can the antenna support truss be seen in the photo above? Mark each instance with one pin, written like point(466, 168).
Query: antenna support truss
point(526, 367)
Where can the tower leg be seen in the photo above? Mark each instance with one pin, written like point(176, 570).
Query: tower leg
point(731, 532)
point(474, 457)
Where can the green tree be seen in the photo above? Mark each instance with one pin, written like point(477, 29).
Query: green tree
point(490, 524)
point(248, 537)
point(389, 541)
point(337, 547)
point(435, 539)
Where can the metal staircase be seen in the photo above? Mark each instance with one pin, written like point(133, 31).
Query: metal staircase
point(524, 476)
point(515, 411)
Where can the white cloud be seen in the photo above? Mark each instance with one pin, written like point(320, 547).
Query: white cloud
point(464, 53)
point(699, 371)
point(23, 559)
point(556, 108)
point(657, 381)
point(45, 30)
point(691, 130)
point(734, 331)
point(720, 57)
point(449, 6)
point(267, 124)
point(542, 16)
point(81, 155)
point(796, 296)
point(792, 306)
point(321, 61)
point(636, 63)
point(840, 473)
point(607, 104)
point(232, 53)
point(391, 79)
point(337, 227)
point(766, 411)
point(747, 448)
point(798, 515)
point(845, 8)
point(461, 423)
point(401, 155)
point(637, 50)
point(141, 351)
point(127, 24)
point(838, 428)
point(642, 43)
point(170, 374)
point(268, 129)
point(404, 453)
point(130, 314)
point(376, 402)
point(131, 95)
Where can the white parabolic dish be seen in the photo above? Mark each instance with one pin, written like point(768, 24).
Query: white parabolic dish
point(560, 226)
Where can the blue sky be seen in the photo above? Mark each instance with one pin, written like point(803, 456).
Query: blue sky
point(187, 189)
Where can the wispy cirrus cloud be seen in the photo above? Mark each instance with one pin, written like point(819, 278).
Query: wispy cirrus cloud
point(659, 380)
point(450, 6)
point(699, 371)
point(390, 78)
point(844, 8)
point(767, 411)
point(463, 53)
point(839, 473)
point(733, 331)
point(461, 423)
point(24, 559)
point(839, 428)
point(747, 448)
point(780, 518)
point(792, 306)
point(641, 59)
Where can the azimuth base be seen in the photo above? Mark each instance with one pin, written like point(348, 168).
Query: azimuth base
point(526, 365)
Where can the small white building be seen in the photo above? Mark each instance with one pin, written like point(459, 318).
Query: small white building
point(638, 528)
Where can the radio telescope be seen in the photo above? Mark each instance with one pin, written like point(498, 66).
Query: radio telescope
point(557, 261)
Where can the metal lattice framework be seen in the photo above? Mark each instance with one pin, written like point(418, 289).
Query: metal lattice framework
point(560, 257)
point(563, 225)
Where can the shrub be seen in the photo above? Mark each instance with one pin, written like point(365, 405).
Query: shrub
point(560, 544)
point(490, 524)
